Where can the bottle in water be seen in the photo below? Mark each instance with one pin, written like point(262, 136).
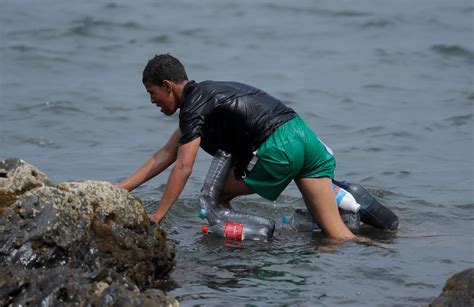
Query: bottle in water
point(345, 200)
point(237, 231)
point(372, 212)
point(222, 221)
point(302, 221)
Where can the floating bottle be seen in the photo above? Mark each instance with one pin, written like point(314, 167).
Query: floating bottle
point(237, 231)
point(225, 222)
point(345, 200)
point(302, 221)
point(237, 225)
point(372, 212)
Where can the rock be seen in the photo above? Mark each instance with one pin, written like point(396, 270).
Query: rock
point(61, 235)
point(56, 217)
point(458, 291)
point(16, 178)
point(65, 286)
point(110, 204)
point(49, 226)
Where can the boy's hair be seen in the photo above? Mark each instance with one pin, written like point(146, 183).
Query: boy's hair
point(163, 67)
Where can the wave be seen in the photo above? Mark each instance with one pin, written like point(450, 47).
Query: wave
point(41, 142)
point(376, 23)
point(54, 107)
point(318, 11)
point(160, 39)
point(44, 33)
point(61, 107)
point(382, 87)
point(87, 26)
point(453, 51)
point(460, 120)
point(371, 129)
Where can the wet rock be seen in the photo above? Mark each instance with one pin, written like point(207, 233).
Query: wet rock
point(458, 291)
point(16, 178)
point(54, 216)
point(110, 204)
point(73, 230)
point(65, 286)
point(144, 256)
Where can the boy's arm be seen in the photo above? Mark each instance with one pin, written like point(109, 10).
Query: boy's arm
point(178, 178)
point(158, 162)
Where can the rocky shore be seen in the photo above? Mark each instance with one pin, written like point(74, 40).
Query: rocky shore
point(83, 243)
point(458, 291)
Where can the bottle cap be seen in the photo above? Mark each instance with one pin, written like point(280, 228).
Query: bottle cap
point(356, 208)
point(285, 219)
point(202, 213)
point(204, 229)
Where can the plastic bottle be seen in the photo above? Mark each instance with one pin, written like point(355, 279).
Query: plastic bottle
point(372, 212)
point(345, 200)
point(224, 222)
point(237, 231)
point(237, 225)
point(301, 220)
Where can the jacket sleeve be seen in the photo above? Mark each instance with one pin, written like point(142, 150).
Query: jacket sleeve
point(191, 126)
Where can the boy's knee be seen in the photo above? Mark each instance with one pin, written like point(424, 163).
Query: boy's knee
point(224, 197)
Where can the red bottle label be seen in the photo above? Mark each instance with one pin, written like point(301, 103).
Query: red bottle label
point(233, 231)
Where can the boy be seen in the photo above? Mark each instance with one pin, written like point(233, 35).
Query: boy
point(241, 120)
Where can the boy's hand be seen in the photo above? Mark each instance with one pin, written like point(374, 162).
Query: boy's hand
point(154, 218)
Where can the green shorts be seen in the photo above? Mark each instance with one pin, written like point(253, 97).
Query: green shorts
point(292, 151)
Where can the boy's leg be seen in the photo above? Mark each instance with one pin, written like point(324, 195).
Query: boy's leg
point(233, 188)
point(319, 197)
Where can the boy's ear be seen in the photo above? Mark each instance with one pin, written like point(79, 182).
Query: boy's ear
point(168, 86)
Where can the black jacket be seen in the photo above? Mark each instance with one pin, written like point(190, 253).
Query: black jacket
point(230, 116)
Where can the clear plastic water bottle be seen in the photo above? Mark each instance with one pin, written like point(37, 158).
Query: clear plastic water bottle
point(302, 221)
point(237, 225)
point(227, 223)
point(237, 231)
point(345, 200)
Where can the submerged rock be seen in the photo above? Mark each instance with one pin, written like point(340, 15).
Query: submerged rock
point(76, 229)
point(458, 291)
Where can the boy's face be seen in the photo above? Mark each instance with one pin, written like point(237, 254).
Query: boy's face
point(162, 96)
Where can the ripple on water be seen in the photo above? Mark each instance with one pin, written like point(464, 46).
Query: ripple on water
point(379, 23)
point(317, 11)
point(41, 33)
point(370, 130)
point(59, 107)
point(460, 120)
point(40, 142)
point(463, 211)
point(399, 134)
point(113, 6)
point(382, 193)
point(62, 107)
point(89, 26)
point(382, 273)
point(382, 87)
point(118, 109)
point(454, 51)
point(160, 39)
